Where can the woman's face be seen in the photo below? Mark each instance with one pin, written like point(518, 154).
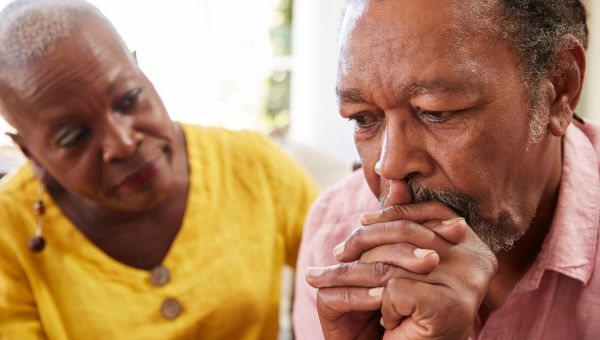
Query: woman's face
point(88, 116)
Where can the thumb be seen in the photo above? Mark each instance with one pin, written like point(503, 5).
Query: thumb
point(453, 231)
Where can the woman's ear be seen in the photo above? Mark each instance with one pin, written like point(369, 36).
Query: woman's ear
point(39, 171)
point(16, 138)
point(566, 77)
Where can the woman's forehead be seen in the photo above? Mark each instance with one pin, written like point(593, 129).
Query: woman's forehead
point(87, 57)
point(83, 66)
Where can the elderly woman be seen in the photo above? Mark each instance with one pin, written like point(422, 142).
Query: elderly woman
point(124, 224)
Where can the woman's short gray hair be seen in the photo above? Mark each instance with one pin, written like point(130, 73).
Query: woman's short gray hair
point(30, 29)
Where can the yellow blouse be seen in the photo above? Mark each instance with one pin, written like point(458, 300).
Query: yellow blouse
point(220, 279)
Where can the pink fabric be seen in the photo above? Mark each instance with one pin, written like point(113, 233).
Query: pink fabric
point(558, 298)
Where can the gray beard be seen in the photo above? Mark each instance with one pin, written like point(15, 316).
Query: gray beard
point(498, 235)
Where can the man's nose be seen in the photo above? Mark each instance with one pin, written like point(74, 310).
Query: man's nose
point(120, 139)
point(403, 156)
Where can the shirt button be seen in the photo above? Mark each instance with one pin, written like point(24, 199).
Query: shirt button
point(159, 276)
point(171, 309)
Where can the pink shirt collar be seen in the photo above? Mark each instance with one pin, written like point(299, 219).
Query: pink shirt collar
point(570, 246)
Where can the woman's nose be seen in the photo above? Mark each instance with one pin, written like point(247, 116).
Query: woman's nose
point(120, 139)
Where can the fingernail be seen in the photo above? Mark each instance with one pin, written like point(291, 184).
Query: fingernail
point(381, 322)
point(376, 292)
point(368, 217)
point(339, 250)
point(421, 253)
point(314, 271)
point(452, 221)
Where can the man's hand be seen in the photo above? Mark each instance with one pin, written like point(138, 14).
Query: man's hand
point(435, 273)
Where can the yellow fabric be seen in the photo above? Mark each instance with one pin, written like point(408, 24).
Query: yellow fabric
point(243, 221)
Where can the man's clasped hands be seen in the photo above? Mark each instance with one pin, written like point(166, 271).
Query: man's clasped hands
point(416, 269)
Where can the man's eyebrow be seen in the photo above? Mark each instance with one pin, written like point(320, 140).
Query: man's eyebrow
point(440, 86)
point(350, 96)
point(433, 86)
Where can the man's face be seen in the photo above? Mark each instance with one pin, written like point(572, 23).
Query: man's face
point(92, 120)
point(440, 110)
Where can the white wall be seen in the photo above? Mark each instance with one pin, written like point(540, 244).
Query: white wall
point(591, 100)
point(314, 117)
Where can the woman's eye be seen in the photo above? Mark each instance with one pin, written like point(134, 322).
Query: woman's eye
point(70, 137)
point(127, 102)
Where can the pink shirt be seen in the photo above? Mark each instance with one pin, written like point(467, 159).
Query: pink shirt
point(558, 298)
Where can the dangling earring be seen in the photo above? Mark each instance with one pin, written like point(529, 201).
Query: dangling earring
point(37, 242)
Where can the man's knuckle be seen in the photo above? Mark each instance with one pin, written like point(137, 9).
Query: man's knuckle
point(356, 236)
point(347, 294)
point(380, 271)
point(343, 268)
point(396, 211)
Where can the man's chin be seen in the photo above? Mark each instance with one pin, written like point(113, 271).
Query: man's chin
point(499, 236)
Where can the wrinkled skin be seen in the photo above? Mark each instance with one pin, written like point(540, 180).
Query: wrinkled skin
point(450, 112)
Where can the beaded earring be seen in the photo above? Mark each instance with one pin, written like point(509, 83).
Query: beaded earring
point(37, 242)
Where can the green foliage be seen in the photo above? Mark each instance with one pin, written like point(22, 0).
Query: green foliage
point(277, 100)
point(281, 32)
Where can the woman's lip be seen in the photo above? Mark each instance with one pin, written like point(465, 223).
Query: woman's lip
point(141, 176)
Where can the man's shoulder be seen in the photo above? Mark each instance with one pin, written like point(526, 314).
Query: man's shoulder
point(344, 201)
point(592, 133)
point(351, 193)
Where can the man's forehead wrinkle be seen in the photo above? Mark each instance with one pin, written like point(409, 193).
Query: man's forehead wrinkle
point(440, 86)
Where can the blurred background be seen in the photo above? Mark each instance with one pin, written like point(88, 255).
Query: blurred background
point(266, 65)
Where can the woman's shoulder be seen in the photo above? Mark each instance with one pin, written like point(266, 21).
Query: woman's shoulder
point(17, 184)
point(221, 136)
point(18, 191)
point(245, 155)
point(222, 143)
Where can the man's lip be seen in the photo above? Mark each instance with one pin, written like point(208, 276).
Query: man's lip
point(141, 176)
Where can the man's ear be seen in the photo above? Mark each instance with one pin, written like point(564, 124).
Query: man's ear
point(566, 77)
point(40, 172)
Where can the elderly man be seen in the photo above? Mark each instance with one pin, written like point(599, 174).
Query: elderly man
point(488, 182)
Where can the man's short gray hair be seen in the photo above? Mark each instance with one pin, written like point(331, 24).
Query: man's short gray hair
point(536, 30)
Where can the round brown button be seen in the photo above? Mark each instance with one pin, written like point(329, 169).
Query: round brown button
point(159, 276)
point(171, 309)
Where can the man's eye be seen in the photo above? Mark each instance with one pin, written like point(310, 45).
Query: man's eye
point(364, 120)
point(434, 116)
point(70, 137)
point(127, 102)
